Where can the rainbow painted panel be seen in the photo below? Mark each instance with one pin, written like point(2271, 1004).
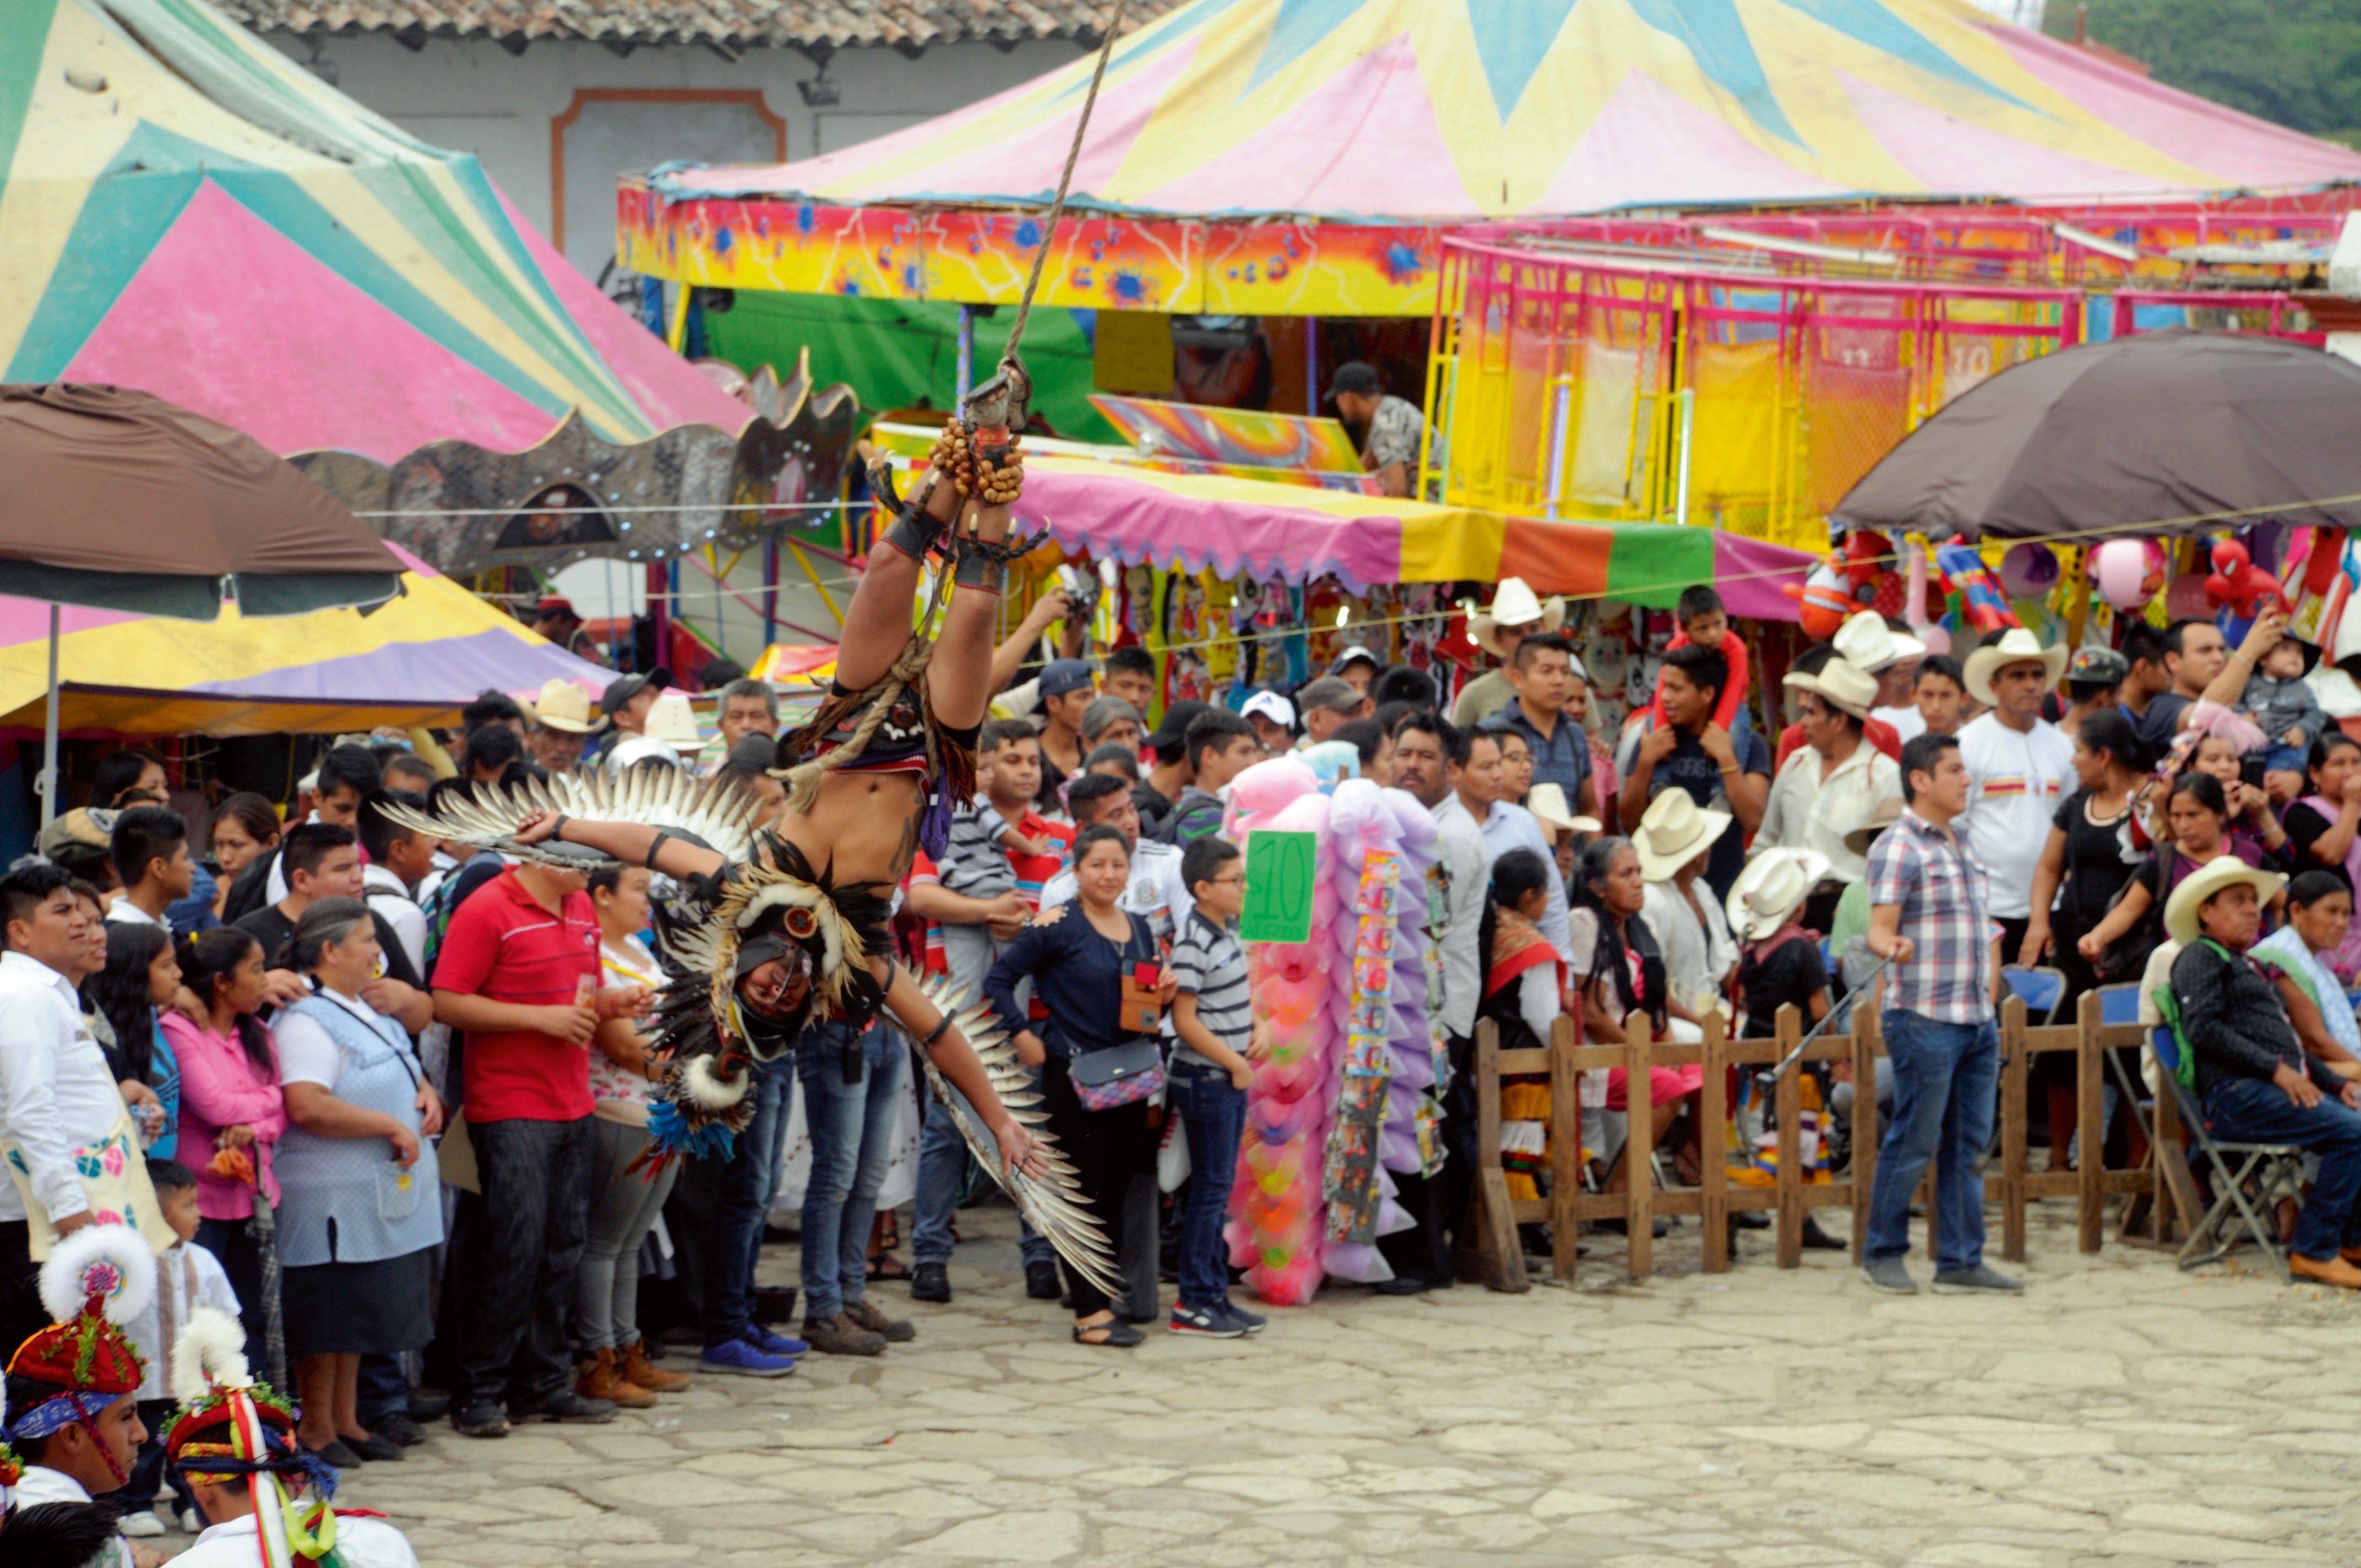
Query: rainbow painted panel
point(1247, 437)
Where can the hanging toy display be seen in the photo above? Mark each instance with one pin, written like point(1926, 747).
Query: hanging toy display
point(2240, 584)
point(2128, 572)
point(1980, 596)
point(2029, 571)
point(2318, 581)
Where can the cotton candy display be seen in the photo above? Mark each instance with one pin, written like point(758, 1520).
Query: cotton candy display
point(1275, 1203)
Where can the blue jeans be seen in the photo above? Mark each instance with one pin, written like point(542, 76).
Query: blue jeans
point(2256, 1111)
point(1945, 1079)
point(1213, 1118)
point(851, 1128)
point(748, 1179)
point(942, 1166)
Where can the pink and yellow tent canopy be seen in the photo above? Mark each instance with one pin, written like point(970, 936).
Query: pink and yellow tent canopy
point(1253, 528)
point(1303, 156)
point(417, 660)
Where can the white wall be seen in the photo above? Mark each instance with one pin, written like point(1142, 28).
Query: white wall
point(473, 95)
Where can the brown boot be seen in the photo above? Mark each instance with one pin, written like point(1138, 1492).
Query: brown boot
point(862, 1315)
point(2332, 1271)
point(606, 1381)
point(837, 1336)
point(633, 1362)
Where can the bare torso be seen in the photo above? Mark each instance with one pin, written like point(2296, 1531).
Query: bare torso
point(863, 829)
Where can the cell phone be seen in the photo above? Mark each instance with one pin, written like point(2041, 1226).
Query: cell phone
point(2250, 769)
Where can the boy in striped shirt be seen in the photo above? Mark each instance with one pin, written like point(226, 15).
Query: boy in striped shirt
point(1217, 1037)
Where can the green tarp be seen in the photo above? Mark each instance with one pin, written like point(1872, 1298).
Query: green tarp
point(898, 353)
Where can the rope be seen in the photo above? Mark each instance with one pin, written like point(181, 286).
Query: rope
point(1065, 180)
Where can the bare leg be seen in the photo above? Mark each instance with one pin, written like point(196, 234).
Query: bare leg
point(316, 1380)
point(959, 678)
point(348, 1397)
point(877, 622)
point(1661, 1119)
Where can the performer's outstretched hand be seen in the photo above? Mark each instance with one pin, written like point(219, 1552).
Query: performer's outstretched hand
point(534, 827)
point(1018, 1151)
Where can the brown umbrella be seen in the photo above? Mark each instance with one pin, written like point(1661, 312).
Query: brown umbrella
point(2174, 432)
point(121, 501)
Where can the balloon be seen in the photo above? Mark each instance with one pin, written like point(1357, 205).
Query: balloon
point(2120, 569)
point(1822, 602)
point(2238, 582)
point(2028, 571)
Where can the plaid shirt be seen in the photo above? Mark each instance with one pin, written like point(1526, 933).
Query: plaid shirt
point(1946, 903)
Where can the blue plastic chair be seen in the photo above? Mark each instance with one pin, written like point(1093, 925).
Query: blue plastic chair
point(2118, 1004)
point(2041, 990)
point(2276, 1170)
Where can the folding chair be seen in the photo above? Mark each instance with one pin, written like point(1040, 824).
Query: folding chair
point(2119, 1006)
point(2277, 1170)
point(2042, 990)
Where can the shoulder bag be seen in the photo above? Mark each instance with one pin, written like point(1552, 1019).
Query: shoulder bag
point(1132, 1069)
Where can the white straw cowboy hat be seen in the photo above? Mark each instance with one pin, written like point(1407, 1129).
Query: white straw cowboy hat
point(1885, 815)
point(1514, 604)
point(672, 721)
point(1774, 886)
point(1866, 642)
point(561, 705)
point(2016, 646)
point(1676, 831)
point(1841, 686)
point(1548, 802)
point(2224, 871)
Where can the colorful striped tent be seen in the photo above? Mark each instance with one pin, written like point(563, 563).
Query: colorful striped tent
point(1254, 528)
point(416, 660)
point(1303, 157)
point(185, 210)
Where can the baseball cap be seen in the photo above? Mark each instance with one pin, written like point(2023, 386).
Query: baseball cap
point(1355, 376)
point(2098, 664)
point(1177, 717)
point(81, 836)
point(1271, 706)
point(1059, 677)
point(1355, 655)
point(623, 688)
point(1331, 692)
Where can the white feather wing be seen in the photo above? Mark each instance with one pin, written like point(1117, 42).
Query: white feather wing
point(722, 815)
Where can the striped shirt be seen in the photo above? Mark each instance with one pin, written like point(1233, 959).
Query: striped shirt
point(975, 865)
point(1210, 965)
point(1946, 905)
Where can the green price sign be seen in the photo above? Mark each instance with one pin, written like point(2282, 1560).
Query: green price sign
point(1280, 870)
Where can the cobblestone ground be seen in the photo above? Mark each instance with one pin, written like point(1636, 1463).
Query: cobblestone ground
point(2121, 1413)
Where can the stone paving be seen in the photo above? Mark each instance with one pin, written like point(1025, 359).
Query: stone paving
point(2119, 1412)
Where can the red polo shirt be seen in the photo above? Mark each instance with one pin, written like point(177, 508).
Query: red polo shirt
point(503, 944)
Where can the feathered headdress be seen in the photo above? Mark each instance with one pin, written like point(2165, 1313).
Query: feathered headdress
point(229, 1428)
point(96, 1278)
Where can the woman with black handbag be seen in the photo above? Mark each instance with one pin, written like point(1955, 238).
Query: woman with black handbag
point(1098, 976)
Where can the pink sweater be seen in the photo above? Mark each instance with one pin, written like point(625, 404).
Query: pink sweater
point(220, 1087)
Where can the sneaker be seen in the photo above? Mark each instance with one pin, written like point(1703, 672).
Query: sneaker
point(141, 1525)
point(898, 1330)
point(1040, 1280)
point(1888, 1275)
point(481, 1418)
point(1966, 1281)
point(930, 1282)
point(1211, 1323)
point(189, 1523)
point(1253, 1323)
point(764, 1340)
point(567, 1406)
point(429, 1404)
point(1401, 1285)
point(1817, 1239)
point(837, 1336)
point(743, 1360)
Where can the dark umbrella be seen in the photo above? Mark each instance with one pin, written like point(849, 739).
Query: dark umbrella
point(120, 500)
point(2174, 432)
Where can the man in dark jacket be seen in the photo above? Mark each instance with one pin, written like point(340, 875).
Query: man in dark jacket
point(2256, 1081)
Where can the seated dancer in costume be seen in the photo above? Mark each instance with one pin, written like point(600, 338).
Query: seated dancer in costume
point(72, 1408)
point(787, 923)
point(233, 1441)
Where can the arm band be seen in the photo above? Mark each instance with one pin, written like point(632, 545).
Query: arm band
point(557, 829)
point(661, 838)
point(937, 1033)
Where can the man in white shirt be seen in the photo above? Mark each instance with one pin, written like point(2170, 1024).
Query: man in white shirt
point(1831, 783)
point(399, 860)
point(1476, 781)
point(2019, 767)
point(149, 848)
point(1155, 892)
point(56, 1093)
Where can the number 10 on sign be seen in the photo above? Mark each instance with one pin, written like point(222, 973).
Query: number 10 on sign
point(1281, 872)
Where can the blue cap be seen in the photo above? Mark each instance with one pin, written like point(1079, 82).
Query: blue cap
point(1059, 677)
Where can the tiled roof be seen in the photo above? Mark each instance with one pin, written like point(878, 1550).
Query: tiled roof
point(778, 23)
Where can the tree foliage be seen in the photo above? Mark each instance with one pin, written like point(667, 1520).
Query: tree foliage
point(2297, 62)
